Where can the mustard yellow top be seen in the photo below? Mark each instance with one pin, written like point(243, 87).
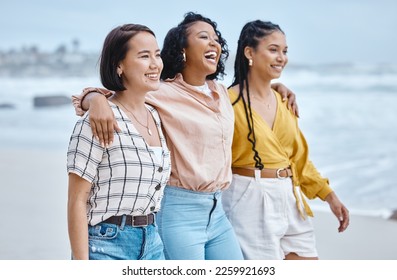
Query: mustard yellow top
point(278, 147)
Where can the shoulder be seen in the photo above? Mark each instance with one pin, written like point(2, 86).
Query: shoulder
point(233, 94)
point(153, 111)
point(283, 105)
point(220, 88)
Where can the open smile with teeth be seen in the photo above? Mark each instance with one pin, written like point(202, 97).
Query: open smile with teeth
point(152, 76)
point(277, 67)
point(211, 56)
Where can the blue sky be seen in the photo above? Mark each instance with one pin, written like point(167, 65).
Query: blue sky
point(322, 31)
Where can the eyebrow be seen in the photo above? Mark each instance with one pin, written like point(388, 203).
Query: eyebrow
point(203, 31)
point(147, 51)
point(275, 45)
point(208, 33)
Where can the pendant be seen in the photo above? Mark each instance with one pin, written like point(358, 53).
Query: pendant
point(149, 131)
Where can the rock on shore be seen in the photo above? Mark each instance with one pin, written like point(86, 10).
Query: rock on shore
point(51, 100)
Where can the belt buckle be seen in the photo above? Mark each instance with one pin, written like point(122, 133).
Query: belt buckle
point(143, 225)
point(278, 173)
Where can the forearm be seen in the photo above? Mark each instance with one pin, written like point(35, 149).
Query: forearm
point(91, 98)
point(78, 230)
point(77, 217)
point(332, 198)
point(81, 102)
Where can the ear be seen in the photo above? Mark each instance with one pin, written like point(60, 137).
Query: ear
point(119, 70)
point(248, 52)
point(184, 54)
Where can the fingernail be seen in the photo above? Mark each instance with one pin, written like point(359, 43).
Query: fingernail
point(341, 219)
point(103, 145)
point(97, 138)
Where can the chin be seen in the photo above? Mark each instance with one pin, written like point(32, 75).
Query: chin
point(153, 87)
point(276, 76)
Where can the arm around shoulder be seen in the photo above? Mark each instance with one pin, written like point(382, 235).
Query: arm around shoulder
point(102, 120)
point(81, 102)
point(287, 94)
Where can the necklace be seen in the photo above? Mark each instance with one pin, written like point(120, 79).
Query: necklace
point(147, 119)
point(261, 100)
point(267, 103)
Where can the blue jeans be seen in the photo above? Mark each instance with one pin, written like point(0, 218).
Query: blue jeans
point(193, 226)
point(113, 242)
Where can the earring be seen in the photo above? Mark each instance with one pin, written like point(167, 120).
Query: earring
point(250, 62)
point(184, 57)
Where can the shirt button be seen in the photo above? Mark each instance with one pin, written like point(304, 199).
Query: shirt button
point(158, 187)
point(160, 169)
point(152, 208)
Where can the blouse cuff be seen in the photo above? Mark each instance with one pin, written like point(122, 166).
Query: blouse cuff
point(326, 190)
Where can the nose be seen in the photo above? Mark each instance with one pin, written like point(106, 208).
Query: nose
point(282, 57)
point(155, 63)
point(213, 42)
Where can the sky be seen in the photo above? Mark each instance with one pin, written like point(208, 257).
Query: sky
point(318, 31)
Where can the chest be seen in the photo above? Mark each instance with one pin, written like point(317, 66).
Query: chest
point(266, 111)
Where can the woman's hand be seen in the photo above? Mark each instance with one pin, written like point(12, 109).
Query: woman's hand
point(339, 210)
point(102, 120)
point(287, 93)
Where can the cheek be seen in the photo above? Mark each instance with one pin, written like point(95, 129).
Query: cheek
point(219, 49)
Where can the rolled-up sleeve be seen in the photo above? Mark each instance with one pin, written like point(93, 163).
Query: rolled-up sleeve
point(84, 152)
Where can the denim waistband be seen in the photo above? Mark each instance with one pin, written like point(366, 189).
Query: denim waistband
point(180, 192)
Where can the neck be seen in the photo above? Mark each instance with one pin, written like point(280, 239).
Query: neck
point(194, 79)
point(259, 86)
point(132, 101)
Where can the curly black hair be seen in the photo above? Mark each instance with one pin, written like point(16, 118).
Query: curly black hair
point(176, 40)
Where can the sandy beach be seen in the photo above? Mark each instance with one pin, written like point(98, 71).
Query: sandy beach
point(367, 238)
point(33, 205)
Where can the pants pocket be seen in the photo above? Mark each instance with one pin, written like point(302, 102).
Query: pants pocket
point(237, 193)
point(103, 231)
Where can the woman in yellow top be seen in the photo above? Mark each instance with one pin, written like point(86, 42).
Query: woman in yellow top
point(270, 160)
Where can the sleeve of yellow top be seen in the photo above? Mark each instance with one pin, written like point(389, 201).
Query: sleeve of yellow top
point(311, 182)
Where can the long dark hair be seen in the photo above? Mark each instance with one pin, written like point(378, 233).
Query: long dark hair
point(176, 40)
point(250, 36)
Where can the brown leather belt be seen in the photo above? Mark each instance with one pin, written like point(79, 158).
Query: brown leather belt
point(135, 221)
point(281, 173)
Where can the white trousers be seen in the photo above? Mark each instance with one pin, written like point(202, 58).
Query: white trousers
point(266, 220)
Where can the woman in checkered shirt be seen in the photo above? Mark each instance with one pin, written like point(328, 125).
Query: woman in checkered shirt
point(115, 190)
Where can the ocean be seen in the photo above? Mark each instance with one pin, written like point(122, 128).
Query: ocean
point(347, 114)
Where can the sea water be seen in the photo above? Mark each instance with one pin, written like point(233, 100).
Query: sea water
point(347, 113)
